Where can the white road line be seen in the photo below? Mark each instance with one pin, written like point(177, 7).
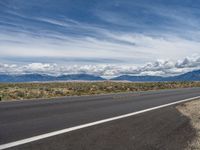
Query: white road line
point(47, 135)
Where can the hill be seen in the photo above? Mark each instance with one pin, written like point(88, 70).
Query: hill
point(190, 76)
point(45, 78)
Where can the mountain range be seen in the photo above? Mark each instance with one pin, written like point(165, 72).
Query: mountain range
point(46, 78)
point(190, 76)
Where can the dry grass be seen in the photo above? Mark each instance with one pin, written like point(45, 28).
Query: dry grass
point(21, 91)
point(192, 110)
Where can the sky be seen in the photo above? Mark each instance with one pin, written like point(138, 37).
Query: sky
point(101, 37)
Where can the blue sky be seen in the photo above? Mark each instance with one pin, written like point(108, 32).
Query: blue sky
point(106, 38)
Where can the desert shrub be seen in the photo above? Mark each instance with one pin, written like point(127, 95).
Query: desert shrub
point(46, 90)
point(58, 92)
point(20, 93)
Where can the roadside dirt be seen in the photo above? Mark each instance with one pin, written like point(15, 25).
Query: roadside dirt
point(192, 111)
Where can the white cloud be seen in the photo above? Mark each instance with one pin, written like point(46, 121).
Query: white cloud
point(116, 35)
point(130, 47)
point(159, 68)
point(189, 62)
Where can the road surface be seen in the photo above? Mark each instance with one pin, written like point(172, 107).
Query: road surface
point(24, 119)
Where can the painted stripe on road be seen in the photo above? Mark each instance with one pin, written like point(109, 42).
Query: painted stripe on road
point(47, 135)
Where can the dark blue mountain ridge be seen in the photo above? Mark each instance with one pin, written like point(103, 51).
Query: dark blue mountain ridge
point(190, 76)
point(86, 77)
point(138, 78)
point(46, 78)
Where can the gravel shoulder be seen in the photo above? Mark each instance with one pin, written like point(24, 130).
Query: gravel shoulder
point(192, 111)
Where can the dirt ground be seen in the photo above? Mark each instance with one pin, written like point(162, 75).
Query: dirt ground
point(192, 110)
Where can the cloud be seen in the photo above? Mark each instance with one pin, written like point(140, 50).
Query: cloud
point(137, 36)
point(114, 37)
point(158, 68)
point(130, 47)
point(189, 62)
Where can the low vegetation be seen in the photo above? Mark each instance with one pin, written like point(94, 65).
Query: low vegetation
point(19, 91)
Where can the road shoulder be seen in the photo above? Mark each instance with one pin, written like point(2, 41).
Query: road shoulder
point(192, 111)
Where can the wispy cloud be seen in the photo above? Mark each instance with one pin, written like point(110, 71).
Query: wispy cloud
point(126, 33)
point(124, 46)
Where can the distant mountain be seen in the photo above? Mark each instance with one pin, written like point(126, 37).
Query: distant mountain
point(25, 78)
point(190, 76)
point(138, 78)
point(86, 77)
point(45, 78)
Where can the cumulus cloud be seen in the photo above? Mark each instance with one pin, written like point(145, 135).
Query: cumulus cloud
point(189, 62)
point(159, 68)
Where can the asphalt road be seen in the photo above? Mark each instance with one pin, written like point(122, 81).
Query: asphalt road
point(24, 119)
